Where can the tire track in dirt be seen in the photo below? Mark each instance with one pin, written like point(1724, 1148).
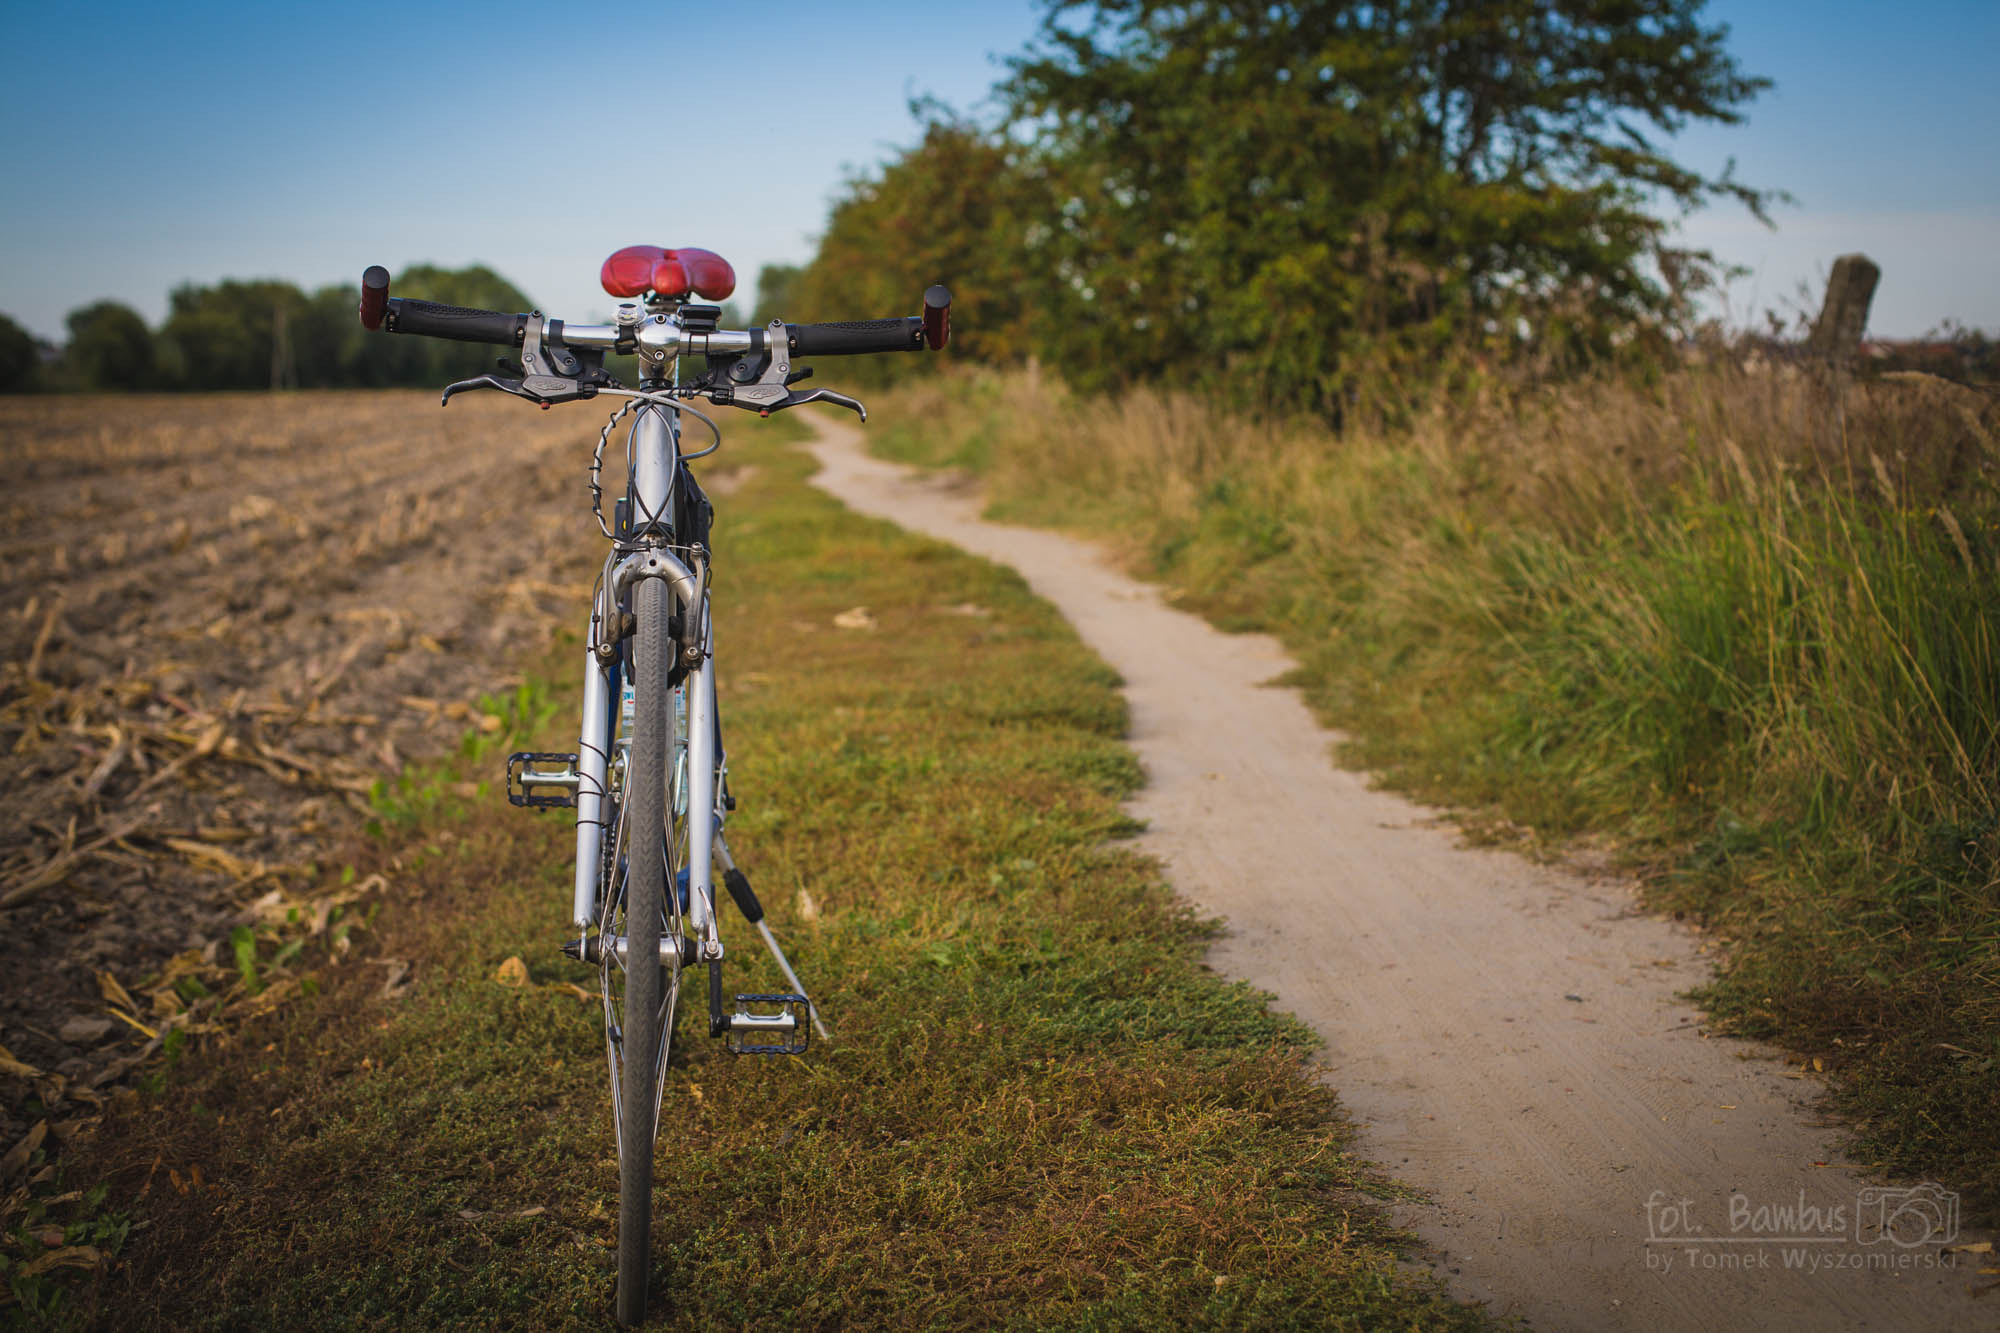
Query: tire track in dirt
point(311, 497)
point(1508, 1036)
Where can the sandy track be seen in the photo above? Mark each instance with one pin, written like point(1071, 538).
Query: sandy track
point(1507, 1035)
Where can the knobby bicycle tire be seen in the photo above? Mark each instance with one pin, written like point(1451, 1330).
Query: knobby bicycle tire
point(645, 890)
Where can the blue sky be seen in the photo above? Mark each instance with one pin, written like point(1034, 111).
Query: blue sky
point(153, 145)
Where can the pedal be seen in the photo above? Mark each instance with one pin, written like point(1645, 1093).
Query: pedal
point(785, 1032)
point(530, 786)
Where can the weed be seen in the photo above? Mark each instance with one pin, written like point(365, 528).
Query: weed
point(243, 945)
point(1743, 620)
point(54, 1230)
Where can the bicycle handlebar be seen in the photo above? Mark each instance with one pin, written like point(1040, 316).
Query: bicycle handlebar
point(456, 322)
point(854, 337)
point(748, 368)
point(912, 333)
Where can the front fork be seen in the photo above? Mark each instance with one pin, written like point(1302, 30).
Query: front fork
point(778, 1034)
point(704, 818)
point(602, 656)
point(593, 764)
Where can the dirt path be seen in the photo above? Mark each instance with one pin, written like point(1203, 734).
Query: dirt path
point(1507, 1035)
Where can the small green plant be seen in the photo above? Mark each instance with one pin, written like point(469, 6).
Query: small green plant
point(243, 946)
point(59, 1234)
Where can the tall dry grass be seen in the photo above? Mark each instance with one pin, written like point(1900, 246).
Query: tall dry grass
point(1741, 619)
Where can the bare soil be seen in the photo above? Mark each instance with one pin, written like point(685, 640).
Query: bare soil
point(223, 618)
point(1512, 1038)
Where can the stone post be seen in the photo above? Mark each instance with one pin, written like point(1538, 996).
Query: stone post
point(1842, 320)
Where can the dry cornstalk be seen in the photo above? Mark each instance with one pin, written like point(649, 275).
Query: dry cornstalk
point(204, 746)
point(57, 869)
point(337, 670)
point(207, 854)
point(42, 639)
point(121, 749)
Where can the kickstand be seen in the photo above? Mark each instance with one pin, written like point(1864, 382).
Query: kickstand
point(735, 880)
point(771, 943)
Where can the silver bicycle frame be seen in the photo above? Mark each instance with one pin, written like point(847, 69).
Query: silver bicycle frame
point(655, 451)
point(654, 458)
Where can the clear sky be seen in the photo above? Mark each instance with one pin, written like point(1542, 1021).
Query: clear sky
point(152, 145)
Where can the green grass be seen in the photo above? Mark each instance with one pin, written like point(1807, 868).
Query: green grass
point(1740, 627)
point(1039, 1108)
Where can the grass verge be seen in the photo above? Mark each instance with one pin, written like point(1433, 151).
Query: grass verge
point(1744, 623)
point(1039, 1107)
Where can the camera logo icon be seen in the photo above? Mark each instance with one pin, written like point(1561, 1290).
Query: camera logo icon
point(1925, 1214)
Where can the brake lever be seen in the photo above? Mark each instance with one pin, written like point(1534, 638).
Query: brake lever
point(765, 398)
point(827, 395)
point(540, 380)
point(543, 389)
point(772, 390)
point(487, 381)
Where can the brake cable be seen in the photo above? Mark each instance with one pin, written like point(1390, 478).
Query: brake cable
point(632, 399)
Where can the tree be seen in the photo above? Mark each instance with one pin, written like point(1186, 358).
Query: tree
point(109, 348)
point(223, 337)
point(1279, 188)
point(952, 210)
point(776, 286)
point(20, 358)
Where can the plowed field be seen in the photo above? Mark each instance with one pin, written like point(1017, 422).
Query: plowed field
point(225, 618)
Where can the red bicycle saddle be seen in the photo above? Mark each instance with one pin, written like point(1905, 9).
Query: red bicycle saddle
point(638, 269)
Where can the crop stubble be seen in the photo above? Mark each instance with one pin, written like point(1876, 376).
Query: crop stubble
point(224, 618)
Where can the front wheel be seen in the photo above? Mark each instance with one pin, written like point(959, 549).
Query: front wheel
point(643, 913)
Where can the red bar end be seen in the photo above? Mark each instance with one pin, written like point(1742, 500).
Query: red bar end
point(937, 317)
point(374, 296)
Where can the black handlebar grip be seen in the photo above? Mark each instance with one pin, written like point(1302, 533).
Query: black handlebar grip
point(374, 296)
point(452, 321)
point(937, 316)
point(856, 336)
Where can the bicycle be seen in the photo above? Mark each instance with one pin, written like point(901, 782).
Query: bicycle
point(649, 751)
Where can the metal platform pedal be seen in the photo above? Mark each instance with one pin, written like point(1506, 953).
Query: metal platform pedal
point(525, 785)
point(785, 1032)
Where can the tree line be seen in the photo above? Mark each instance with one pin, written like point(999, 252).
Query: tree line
point(1280, 198)
point(255, 334)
